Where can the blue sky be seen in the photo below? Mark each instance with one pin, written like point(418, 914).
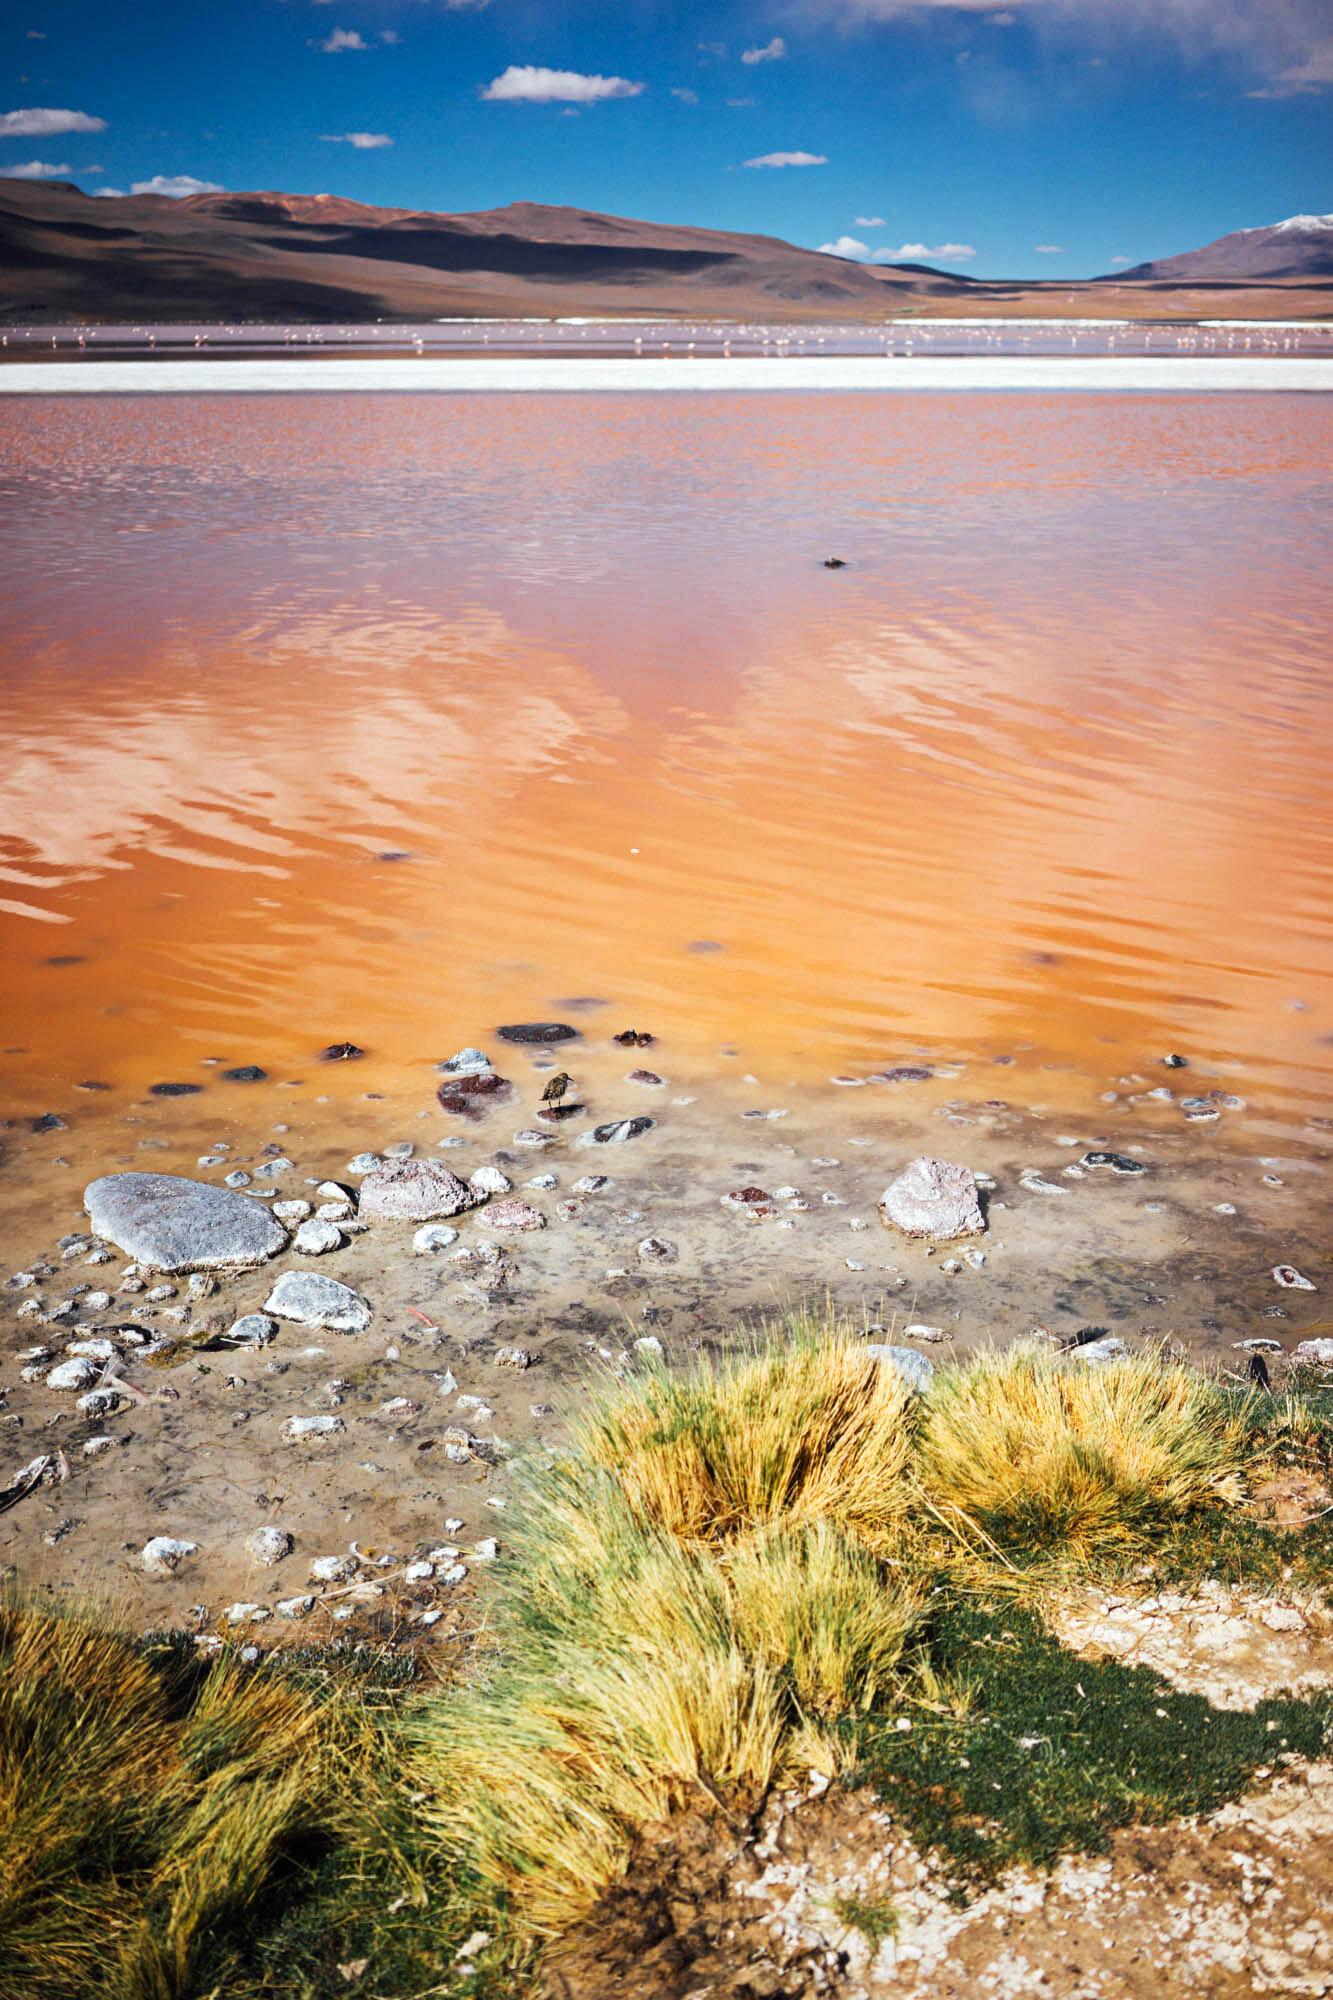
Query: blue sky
point(1031, 137)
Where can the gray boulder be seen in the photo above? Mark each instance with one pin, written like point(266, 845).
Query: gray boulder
point(934, 1198)
point(169, 1224)
point(412, 1191)
point(314, 1300)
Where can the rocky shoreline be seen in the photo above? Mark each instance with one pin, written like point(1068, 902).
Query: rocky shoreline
point(207, 1428)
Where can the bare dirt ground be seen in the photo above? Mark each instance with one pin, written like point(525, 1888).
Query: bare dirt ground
point(429, 1419)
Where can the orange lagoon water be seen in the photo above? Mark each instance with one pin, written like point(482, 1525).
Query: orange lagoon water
point(1044, 768)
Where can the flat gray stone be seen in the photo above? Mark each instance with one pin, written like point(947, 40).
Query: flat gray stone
point(314, 1239)
point(412, 1191)
point(314, 1300)
point(934, 1198)
point(167, 1223)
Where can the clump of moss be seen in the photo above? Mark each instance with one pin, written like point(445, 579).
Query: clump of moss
point(1046, 1754)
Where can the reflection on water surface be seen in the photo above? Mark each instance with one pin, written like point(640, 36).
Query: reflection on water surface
point(391, 718)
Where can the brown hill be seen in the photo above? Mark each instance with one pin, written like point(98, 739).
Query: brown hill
point(266, 256)
point(64, 254)
point(1300, 247)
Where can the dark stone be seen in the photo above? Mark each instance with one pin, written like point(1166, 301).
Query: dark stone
point(91, 1083)
point(247, 1073)
point(555, 1112)
point(617, 1132)
point(1119, 1163)
point(834, 562)
point(907, 1073)
point(1085, 1335)
point(394, 854)
point(632, 1038)
point(174, 1089)
point(50, 1121)
point(538, 1031)
point(472, 1095)
point(341, 1052)
point(68, 958)
point(1175, 1062)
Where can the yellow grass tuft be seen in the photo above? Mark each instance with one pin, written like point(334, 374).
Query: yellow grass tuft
point(701, 1592)
point(815, 1431)
point(146, 1800)
point(1040, 1451)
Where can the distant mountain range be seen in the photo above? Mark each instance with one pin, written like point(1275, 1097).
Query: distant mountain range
point(1300, 247)
point(66, 255)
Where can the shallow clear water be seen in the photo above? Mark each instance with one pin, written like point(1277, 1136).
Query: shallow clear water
point(1044, 766)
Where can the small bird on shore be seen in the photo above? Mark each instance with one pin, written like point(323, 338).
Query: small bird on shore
point(1259, 1373)
point(556, 1088)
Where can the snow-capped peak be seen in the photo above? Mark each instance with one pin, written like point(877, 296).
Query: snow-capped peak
point(1305, 225)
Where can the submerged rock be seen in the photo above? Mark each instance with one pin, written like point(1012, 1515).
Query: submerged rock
point(472, 1094)
point(1119, 1163)
point(934, 1198)
point(527, 1032)
point(514, 1215)
point(412, 1191)
point(1291, 1279)
point(171, 1224)
point(314, 1300)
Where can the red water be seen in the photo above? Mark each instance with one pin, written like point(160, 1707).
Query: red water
point(1044, 765)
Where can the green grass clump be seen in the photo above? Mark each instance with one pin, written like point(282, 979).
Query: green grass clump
point(876, 1917)
point(1045, 1753)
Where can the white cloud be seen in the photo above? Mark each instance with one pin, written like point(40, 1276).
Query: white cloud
point(846, 246)
point(1299, 79)
point(175, 185)
point(1286, 41)
point(1118, 261)
point(870, 221)
point(685, 96)
point(741, 103)
point(718, 49)
point(1049, 249)
point(35, 170)
point(390, 37)
point(108, 194)
point(364, 142)
point(774, 51)
point(789, 160)
point(34, 35)
point(919, 253)
point(342, 39)
point(42, 124)
point(525, 83)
